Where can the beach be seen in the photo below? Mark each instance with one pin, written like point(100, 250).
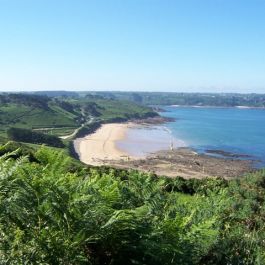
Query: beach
point(123, 141)
point(151, 148)
point(93, 149)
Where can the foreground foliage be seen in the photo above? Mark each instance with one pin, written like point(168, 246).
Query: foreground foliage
point(54, 212)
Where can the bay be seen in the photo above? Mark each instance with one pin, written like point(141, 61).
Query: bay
point(236, 130)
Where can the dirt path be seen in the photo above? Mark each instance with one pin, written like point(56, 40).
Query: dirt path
point(65, 137)
point(68, 136)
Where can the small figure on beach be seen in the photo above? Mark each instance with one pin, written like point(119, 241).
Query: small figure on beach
point(171, 145)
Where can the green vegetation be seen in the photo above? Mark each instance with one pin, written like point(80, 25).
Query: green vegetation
point(109, 110)
point(28, 136)
point(63, 115)
point(56, 211)
point(187, 99)
point(28, 114)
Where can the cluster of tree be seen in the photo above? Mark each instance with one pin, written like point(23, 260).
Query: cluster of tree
point(122, 110)
point(88, 129)
point(92, 108)
point(92, 96)
point(53, 94)
point(35, 101)
point(53, 215)
point(65, 105)
point(29, 136)
point(189, 99)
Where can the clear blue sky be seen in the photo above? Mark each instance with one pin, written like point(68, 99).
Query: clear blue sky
point(151, 45)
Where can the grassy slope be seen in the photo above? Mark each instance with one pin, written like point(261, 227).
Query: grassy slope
point(122, 109)
point(111, 109)
point(18, 115)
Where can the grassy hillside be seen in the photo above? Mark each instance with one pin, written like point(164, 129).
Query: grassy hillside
point(62, 116)
point(24, 112)
point(55, 211)
point(109, 109)
point(25, 116)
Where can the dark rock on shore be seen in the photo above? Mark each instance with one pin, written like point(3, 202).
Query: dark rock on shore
point(186, 163)
point(158, 109)
point(226, 154)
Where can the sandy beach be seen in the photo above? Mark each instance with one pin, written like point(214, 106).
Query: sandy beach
point(101, 145)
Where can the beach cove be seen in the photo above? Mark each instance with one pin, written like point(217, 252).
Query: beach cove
point(124, 141)
point(153, 148)
point(100, 145)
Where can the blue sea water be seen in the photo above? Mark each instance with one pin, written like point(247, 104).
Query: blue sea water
point(234, 130)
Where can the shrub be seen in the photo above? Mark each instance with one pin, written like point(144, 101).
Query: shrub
point(29, 136)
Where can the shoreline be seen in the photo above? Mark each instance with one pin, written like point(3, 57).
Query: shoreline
point(116, 141)
point(213, 107)
point(103, 147)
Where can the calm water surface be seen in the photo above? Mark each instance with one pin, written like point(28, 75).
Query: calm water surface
point(229, 129)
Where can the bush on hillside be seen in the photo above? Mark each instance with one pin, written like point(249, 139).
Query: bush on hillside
point(29, 136)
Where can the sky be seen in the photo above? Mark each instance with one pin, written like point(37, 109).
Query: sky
point(133, 45)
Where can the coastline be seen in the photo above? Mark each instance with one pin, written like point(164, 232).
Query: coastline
point(215, 107)
point(109, 146)
point(124, 141)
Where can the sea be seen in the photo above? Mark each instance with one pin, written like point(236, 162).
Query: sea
point(236, 130)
